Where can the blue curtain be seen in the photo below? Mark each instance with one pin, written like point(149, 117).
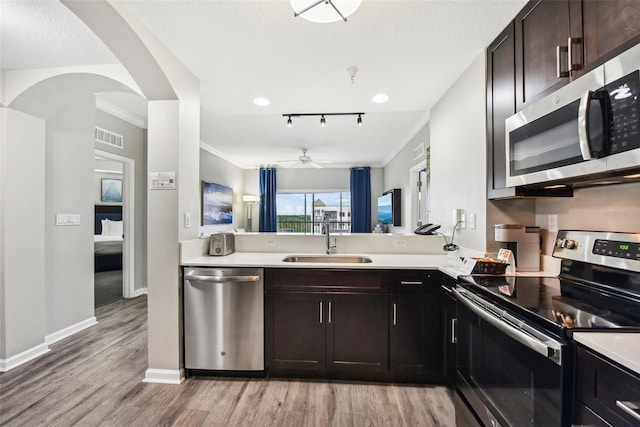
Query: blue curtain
point(268, 212)
point(361, 200)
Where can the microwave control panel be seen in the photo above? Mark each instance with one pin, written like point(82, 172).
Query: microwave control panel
point(617, 249)
point(624, 95)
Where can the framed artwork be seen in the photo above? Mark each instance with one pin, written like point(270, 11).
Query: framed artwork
point(217, 204)
point(111, 190)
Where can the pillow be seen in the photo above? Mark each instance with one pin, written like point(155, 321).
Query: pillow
point(103, 223)
point(114, 228)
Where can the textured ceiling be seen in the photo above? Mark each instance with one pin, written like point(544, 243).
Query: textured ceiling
point(411, 50)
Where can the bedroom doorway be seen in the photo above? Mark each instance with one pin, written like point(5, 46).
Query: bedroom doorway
point(127, 278)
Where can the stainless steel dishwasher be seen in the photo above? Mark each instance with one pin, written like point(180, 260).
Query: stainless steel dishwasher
point(224, 319)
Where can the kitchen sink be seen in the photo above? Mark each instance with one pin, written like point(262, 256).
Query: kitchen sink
point(349, 259)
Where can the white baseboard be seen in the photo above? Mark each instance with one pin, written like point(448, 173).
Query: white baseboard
point(163, 376)
point(24, 357)
point(138, 292)
point(69, 330)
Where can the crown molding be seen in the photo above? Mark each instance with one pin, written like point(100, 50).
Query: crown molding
point(210, 149)
point(120, 113)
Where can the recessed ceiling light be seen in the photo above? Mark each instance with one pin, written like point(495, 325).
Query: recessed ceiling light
point(261, 101)
point(380, 98)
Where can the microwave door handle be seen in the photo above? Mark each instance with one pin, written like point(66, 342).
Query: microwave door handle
point(583, 125)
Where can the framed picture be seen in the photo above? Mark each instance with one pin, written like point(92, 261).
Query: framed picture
point(217, 204)
point(111, 190)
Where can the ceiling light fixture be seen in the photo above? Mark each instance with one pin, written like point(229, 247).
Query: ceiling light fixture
point(324, 11)
point(323, 120)
point(261, 101)
point(380, 98)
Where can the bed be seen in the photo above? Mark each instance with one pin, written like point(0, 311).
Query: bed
point(107, 239)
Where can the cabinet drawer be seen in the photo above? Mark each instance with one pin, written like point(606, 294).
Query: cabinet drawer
point(601, 384)
point(320, 280)
point(416, 282)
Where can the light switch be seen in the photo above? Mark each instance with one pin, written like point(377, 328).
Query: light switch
point(67, 219)
point(187, 220)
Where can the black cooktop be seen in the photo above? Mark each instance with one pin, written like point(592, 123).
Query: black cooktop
point(558, 304)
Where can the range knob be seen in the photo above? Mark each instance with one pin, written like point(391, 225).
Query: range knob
point(560, 243)
point(570, 244)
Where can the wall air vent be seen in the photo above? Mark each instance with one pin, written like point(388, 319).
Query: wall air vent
point(109, 138)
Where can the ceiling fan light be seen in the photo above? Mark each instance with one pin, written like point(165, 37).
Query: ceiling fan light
point(323, 122)
point(324, 11)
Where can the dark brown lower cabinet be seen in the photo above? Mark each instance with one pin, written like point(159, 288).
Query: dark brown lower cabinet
point(295, 331)
point(343, 323)
point(448, 325)
point(605, 393)
point(357, 333)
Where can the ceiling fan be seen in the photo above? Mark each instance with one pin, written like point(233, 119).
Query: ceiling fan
point(305, 160)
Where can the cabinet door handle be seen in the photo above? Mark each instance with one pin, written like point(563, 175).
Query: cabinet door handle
point(409, 282)
point(570, 42)
point(559, 51)
point(454, 338)
point(630, 408)
point(320, 311)
point(394, 314)
point(329, 311)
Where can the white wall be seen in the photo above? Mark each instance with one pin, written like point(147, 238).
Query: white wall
point(69, 189)
point(217, 170)
point(458, 155)
point(22, 232)
point(135, 147)
point(396, 175)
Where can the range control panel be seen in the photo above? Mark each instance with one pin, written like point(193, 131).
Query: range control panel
point(617, 249)
point(607, 248)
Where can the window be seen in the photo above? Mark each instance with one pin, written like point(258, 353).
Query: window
point(304, 212)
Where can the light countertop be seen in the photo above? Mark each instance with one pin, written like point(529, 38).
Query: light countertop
point(443, 263)
point(621, 347)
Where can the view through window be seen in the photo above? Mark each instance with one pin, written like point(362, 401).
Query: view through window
point(304, 212)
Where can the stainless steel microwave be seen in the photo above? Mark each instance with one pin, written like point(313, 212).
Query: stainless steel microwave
point(587, 128)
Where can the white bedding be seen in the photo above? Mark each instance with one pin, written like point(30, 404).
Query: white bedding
point(107, 245)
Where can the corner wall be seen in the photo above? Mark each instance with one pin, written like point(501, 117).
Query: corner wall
point(458, 156)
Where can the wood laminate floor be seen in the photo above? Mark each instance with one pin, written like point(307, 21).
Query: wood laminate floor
point(107, 287)
point(94, 378)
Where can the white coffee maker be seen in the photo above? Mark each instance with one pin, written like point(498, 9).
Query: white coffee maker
point(524, 243)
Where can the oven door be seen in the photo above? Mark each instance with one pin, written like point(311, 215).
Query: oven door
point(510, 374)
point(563, 135)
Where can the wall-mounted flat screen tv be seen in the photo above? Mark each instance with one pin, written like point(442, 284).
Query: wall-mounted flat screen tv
point(389, 208)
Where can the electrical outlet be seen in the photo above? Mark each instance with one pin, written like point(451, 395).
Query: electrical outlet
point(471, 221)
point(552, 221)
point(400, 243)
point(187, 220)
point(270, 242)
point(67, 219)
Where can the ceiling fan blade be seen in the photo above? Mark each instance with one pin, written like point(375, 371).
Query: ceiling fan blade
point(314, 164)
point(288, 161)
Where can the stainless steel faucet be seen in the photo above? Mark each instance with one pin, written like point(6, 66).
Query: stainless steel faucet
point(328, 246)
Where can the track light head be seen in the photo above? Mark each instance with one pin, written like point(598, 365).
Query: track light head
point(323, 122)
point(289, 122)
point(359, 120)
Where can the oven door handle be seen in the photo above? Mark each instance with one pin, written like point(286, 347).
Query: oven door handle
point(550, 351)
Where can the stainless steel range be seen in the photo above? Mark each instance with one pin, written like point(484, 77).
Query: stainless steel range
point(515, 353)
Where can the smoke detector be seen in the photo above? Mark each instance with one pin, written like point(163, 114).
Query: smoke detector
point(351, 71)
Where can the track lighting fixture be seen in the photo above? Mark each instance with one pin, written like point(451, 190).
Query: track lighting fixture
point(323, 120)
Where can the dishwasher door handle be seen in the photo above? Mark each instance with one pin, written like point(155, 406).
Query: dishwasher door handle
point(222, 279)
